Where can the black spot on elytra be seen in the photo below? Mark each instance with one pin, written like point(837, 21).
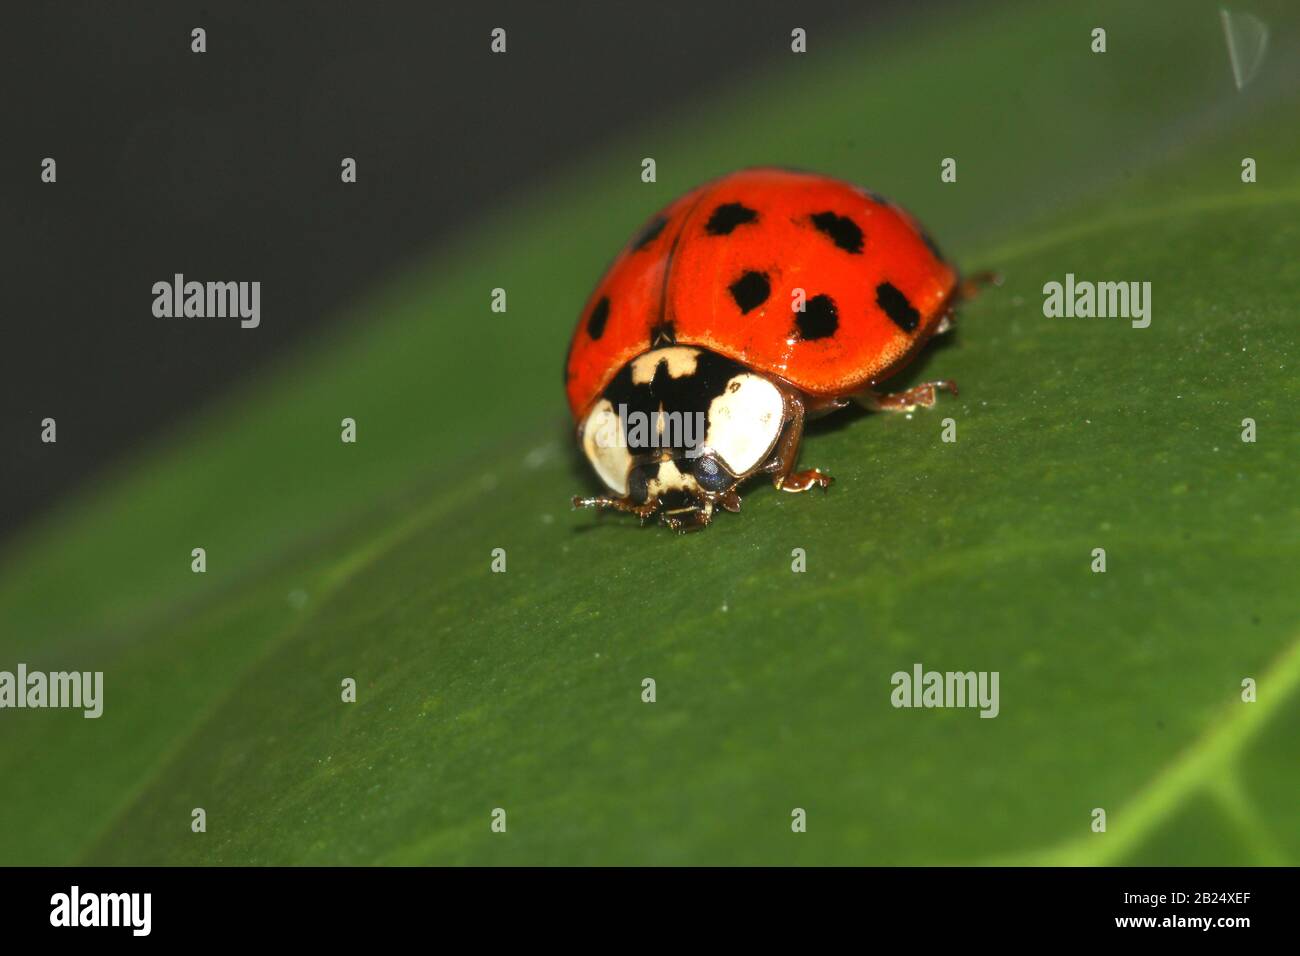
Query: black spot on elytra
point(727, 217)
point(897, 307)
point(650, 233)
point(842, 230)
point(599, 316)
point(663, 334)
point(819, 319)
point(750, 291)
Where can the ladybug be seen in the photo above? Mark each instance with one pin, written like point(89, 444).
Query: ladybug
point(743, 308)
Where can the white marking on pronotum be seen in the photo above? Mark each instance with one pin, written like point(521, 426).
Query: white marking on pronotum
point(745, 422)
point(602, 440)
point(681, 362)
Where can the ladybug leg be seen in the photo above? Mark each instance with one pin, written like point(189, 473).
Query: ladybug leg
point(923, 395)
point(972, 285)
point(797, 481)
point(690, 518)
point(642, 511)
point(781, 464)
point(967, 289)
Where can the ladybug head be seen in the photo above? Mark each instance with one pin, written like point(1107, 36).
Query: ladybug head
point(677, 474)
point(677, 428)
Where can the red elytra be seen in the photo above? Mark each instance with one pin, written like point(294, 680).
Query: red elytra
point(674, 283)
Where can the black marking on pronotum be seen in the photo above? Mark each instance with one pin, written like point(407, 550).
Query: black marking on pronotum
point(663, 333)
point(842, 230)
point(599, 316)
point(650, 233)
point(819, 319)
point(750, 291)
point(727, 217)
point(897, 307)
point(685, 395)
point(690, 392)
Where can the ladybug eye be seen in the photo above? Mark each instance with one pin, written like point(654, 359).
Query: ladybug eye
point(710, 475)
point(638, 486)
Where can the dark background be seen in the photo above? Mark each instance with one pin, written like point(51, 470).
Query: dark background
point(232, 173)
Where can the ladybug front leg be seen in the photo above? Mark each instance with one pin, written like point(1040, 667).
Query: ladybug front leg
point(731, 501)
point(691, 518)
point(923, 396)
point(797, 481)
point(642, 511)
point(781, 464)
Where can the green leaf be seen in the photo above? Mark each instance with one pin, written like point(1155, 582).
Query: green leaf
point(522, 690)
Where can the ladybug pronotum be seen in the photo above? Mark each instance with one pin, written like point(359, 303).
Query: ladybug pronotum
point(743, 308)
